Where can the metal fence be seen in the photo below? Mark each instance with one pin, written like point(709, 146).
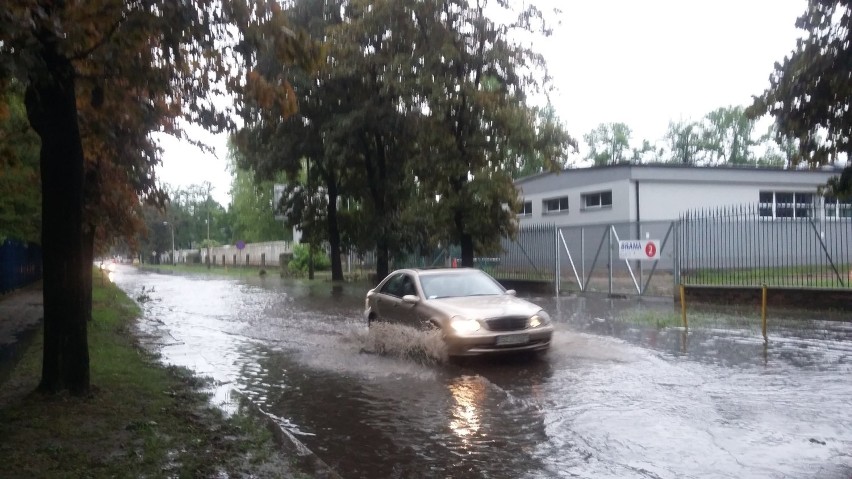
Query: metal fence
point(585, 258)
point(20, 264)
point(722, 247)
point(738, 247)
point(531, 256)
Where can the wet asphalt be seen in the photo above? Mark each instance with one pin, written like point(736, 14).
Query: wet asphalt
point(625, 392)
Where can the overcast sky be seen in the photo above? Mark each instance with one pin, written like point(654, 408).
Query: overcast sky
point(639, 62)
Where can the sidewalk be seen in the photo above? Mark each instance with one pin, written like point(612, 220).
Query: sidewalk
point(21, 312)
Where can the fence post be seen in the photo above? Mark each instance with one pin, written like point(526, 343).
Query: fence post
point(558, 263)
point(583, 257)
point(763, 313)
point(676, 256)
point(609, 265)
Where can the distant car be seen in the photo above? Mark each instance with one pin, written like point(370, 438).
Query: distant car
point(474, 312)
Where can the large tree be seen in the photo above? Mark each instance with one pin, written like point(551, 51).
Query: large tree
point(608, 144)
point(378, 53)
point(107, 73)
point(475, 80)
point(419, 117)
point(810, 92)
point(727, 136)
point(683, 140)
point(548, 145)
point(303, 146)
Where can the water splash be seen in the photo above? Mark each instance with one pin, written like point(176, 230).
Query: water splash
point(384, 339)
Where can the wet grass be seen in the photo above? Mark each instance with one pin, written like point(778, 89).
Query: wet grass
point(696, 319)
point(141, 419)
point(810, 276)
point(244, 271)
point(201, 269)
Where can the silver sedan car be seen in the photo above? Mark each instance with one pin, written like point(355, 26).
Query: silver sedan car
point(474, 312)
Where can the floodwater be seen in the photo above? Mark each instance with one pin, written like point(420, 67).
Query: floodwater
point(620, 395)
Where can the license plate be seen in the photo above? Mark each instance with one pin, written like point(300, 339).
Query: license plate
point(509, 339)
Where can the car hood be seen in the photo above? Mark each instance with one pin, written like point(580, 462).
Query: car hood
point(484, 307)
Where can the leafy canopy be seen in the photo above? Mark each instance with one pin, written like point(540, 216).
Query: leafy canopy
point(810, 92)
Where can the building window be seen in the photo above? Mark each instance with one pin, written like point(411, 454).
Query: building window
point(555, 205)
point(525, 209)
point(786, 204)
point(600, 199)
point(835, 208)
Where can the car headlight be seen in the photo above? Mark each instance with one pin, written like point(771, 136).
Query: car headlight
point(538, 319)
point(464, 325)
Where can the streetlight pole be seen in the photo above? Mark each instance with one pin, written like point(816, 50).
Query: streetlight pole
point(173, 240)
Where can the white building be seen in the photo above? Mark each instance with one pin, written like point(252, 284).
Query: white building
point(633, 193)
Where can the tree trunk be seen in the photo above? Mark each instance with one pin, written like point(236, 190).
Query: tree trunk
point(465, 241)
point(382, 260)
point(311, 260)
point(334, 233)
point(52, 112)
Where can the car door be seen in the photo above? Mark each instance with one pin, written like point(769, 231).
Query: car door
point(405, 313)
point(389, 303)
point(390, 297)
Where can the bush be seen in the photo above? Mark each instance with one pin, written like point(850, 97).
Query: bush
point(299, 262)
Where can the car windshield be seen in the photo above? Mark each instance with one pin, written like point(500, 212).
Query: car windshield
point(448, 285)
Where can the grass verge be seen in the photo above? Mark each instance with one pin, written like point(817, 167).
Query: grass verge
point(246, 271)
point(142, 419)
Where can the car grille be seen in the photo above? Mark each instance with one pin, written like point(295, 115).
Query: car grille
point(507, 323)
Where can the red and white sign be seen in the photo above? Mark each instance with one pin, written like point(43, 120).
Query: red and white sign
point(639, 249)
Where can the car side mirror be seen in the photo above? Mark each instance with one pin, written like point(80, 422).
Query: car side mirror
point(511, 292)
point(410, 299)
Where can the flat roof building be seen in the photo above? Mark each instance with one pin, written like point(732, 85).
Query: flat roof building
point(634, 193)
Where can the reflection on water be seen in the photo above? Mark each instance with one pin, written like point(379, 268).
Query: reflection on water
point(468, 393)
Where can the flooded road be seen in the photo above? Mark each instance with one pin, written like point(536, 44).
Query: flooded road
point(617, 396)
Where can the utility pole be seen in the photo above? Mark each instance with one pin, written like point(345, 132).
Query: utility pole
point(208, 224)
point(172, 226)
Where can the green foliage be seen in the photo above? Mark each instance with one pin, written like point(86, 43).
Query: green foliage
point(20, 196)
point(252, 212)
point(415, 135)
point(810, 91)
point(727, 136)
point(549, 144)
point(99, 78)
point(724, 136)
point(608, 144)
point(302, 256)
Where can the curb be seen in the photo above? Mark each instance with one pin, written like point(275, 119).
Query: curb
point(306, 460)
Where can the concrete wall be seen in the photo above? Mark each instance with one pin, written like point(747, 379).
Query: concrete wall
point(253, 254)
point(784, 298)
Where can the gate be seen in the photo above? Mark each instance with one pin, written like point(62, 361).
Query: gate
point(589, 260)
point(585, 258)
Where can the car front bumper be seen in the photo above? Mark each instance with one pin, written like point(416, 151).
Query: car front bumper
point(488, 342)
